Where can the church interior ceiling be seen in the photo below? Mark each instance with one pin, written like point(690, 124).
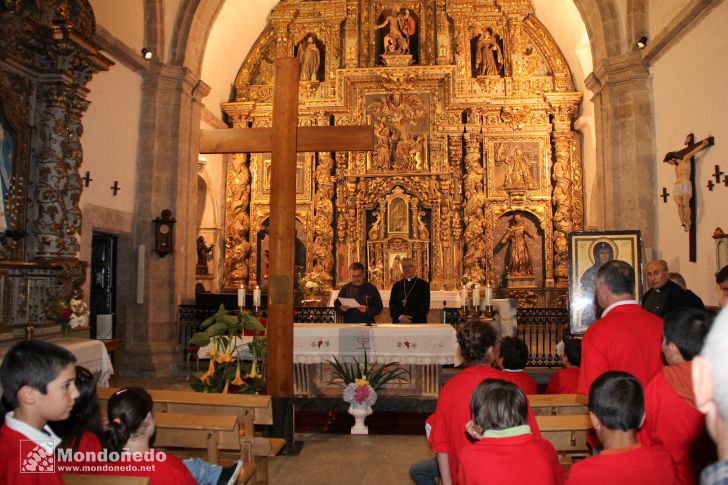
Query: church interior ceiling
point(476, 168)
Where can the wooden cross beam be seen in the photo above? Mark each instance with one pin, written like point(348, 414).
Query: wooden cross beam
point(283, 140)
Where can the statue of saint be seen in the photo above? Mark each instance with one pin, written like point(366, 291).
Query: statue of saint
point(401, 26)
point(309, 58)
point(395, 271)
point(203, 251)
point(488, 55)
point(518, 173)
point(515, 236)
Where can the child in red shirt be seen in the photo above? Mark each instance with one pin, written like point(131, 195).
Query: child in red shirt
point(617, 410)
point(38, 381)
point(448, 437)
point(500, 414)
point(564, 380)
point(512, 358)
point(671, 418)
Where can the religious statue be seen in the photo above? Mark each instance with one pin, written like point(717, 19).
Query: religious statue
point(395, 271)
point(518, 173)
point(309, 58)
point(401, 27)
point(203, 255)
point(422, 232)
point(488, 55)
point(377, 229)
point(520, 260)
point(682, 191)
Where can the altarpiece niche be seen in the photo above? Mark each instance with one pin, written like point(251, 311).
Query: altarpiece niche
point(476, 161)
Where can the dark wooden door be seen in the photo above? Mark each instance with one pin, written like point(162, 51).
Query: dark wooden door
point(103, 277)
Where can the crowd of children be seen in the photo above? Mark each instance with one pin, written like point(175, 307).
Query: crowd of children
point(54, 425)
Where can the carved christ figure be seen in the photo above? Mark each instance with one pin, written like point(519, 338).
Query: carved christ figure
point(682, 191)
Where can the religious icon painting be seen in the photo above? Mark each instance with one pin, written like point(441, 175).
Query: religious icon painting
point(588, 251)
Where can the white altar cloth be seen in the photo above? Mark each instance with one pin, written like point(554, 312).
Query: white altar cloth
point(89, 353)
point(313, 343)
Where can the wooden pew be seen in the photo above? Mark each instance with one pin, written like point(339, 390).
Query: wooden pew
point(87, 479)
point(567, 432)
point(248, 409)
point(556, 404)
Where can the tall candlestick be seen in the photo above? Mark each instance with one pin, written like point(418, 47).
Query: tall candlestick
point(476, 296)
point(241, 296)
point(488, 295)
point(256, 296)
point(463, 297)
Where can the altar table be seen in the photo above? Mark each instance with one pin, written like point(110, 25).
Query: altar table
point(89, 353)
point(420, 348)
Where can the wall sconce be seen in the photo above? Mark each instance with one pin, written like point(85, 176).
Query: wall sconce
point(147, 54)
point(641, 42)
point(164, 233)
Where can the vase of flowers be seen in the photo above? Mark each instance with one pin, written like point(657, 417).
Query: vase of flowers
point(313, 284)
point(362, 380)
point(60, 311)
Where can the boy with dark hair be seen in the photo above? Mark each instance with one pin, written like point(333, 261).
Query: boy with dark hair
point(448, 436)
point(512, 358)
point(564, 380)
point(505, 442)
point(617, 410)
point(721, 280)
point(38, 380)
point(671, 418)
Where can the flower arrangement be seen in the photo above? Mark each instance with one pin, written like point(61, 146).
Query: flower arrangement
point(311, 281)
point(366, 374)
point(226, 372)
point(60, 311)
point(360, 392)
point(468, 280)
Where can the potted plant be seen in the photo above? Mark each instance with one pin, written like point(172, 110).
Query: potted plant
point(362, 381)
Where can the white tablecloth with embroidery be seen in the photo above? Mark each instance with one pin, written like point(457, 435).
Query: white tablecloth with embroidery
point(431, 343)
point(313, 343)
point(89, 353)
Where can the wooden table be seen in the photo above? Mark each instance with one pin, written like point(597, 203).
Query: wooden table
point(113, 346)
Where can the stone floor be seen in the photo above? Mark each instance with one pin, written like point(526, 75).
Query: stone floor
point(352, 460)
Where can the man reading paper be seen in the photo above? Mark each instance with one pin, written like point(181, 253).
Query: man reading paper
point(364, 293)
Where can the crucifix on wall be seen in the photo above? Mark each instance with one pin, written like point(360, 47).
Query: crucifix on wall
point(283, 140)
point(684, 188)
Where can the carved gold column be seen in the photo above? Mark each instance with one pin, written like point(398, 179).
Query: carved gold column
point(443, 33)
point(237, 223)
point(351, 34)
point(474, 205)
point(567, 195)
point(323, 233)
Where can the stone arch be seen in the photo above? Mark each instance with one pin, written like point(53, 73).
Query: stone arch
point(606, 34)
point(191, 31)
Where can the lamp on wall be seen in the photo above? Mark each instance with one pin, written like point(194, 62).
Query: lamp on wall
point(641, 42)
point(147, 54)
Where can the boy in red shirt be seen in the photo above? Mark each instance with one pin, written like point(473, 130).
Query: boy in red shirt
point(38, 384)
point(564, 380)
point(448, 435)
point(512, 358)
point(671, 418)
point(500, 413)
point(617, 410)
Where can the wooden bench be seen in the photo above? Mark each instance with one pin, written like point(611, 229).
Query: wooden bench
point(556, 404)
point(246, 408)
point(567, 432)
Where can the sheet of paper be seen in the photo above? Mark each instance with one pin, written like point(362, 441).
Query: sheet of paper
point(350, 302)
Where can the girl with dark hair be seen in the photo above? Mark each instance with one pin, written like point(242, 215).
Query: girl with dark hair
point(130, 429)
point(82, 430)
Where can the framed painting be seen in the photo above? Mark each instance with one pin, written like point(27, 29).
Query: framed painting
point(588, 251)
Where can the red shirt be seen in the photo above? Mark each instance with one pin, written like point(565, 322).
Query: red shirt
point(501, 461)
point(636, 465)
point(10, 461)
point(672, 422)
point(627, 339)
point(524, 381)
point(452, 413)
point(563, 381)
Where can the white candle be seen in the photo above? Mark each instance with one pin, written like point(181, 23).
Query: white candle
point(488, 295)
point(256, 296)
point(241, 296)
point(476, 296)
point(463, 296)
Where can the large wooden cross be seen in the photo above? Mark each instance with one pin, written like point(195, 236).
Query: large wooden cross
point(283, 140)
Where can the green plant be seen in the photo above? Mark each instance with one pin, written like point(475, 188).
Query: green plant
point(222, 323)
point(375, 375)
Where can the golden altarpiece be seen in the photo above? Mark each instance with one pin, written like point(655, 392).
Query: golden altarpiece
point(476, 168)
